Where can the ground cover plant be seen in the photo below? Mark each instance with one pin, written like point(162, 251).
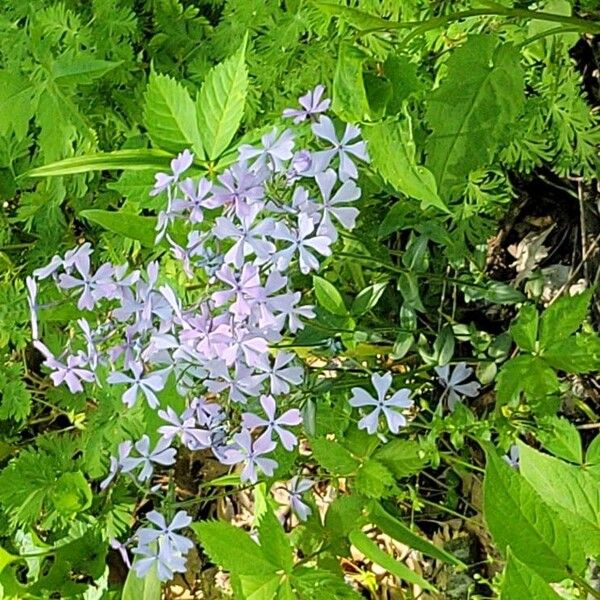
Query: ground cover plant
point(299, 299)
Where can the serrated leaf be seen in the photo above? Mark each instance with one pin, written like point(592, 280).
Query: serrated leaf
point(259, 587)
point(373, 479)
point(220, 104)
point(274, 543)
point(138, 159)
point(480, 96)
point(350, 101)
point(17, 104)
point(563, 318)
point(401, 457)
point(521, 582)
point(373, 552)
point(524, 329)
point(147, 587)
point(400, 532)
point(561, 439)
point(393, 154)
point(334, 457)
point(135, 187)
point(170, 116)
point(328, 296)
point(232, 549)
point(71, 70)
point(570, 489)
point(517, 516)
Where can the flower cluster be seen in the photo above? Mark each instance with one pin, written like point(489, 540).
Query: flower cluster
point(240, 237)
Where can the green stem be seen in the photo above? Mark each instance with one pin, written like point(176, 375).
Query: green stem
point(582, 583)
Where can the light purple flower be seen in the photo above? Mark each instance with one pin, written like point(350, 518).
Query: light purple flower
point(274, 424)
point(162, 556)
point(333, 205)
point(343, 149)
point(295, 488)
point(311, 105)
point(244, 450)
point(94, 287)
point(147, 384)
point(301, 243)
point(179, 165)
point(185, 428)
point(31, 302)
point(195, 198)
point(400, 399)
point(280, 375)
point(121, 548)
point(123, 451)
point(244, 289)
point(454, 382)
point(512, 458)
point(275, 150)
point(162, 454)
point(178, 542)
point(70, 373)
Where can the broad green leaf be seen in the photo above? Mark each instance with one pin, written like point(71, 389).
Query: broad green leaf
point(480, 96)
point(373, 479)
point(408, 284)
point(72, 494)
point(170, 116)
point(563, 317)
point(562, 439)
point(401, 457)
point(135, 227)
point(259, 587)
point(367, 298)
point(579, 353)
point(17, 104)
point(147, 587)
point(328, 296)
point(499, 292)
point(517, 516)
point(220, 104)
point(373, 552)
point(572, 490)
point(138, 159)
point(393, 154)
point(402, 74)
point(135, 187)
point(349, 95)
point(522, 582)
point(592, 454)
point(318, 584)
point(274, 543)
point(71, 70)
point(334, 457)
point(400, 532)
point(524, 329)
point(232, 549)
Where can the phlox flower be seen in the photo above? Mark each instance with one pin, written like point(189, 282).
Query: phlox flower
point(179, 165)
point(72, 373)
point(162, 454)
point(295, 488)
point(251, 453)
point(273, 153)
point(146, 384)
point(279, 374)
point(311, 103)
point(400, 399)
point(185, 428)
point(455, 383)
point(272, 424)
point(195, 199)
point(342, 148)
point(244, 289)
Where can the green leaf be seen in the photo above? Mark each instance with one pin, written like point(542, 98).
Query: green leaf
point(135, 227)
point(274, 543)
point(562, 439)
point(373, 552)
point(571, 490)
point(135, 187)
point(373, 479)
point(138, 159)
point(170, 116)
point(72, 494)
point(400, 532)
point(71, 70)
point(481, 95)
point(328, 296)
point(522, 582)
point(517, 516)
point(6, 558)
point(367, 298)
point(402, 73)
point(350, 100)
point(232, 549)
point(147, 587)
point(563, 317)
point(259, 587)
point(579, 353)
point(220, 104)
point(592, 454)
point(357, 18)
point(17, 104)
point(318, 584)
point(393, 154)
point(401, 457)
point(524, 329)
point(334, 457)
